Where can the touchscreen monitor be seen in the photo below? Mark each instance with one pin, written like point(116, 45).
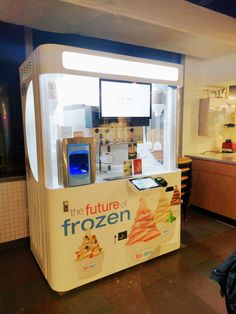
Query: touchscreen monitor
point(124, 99)
point(145, 183)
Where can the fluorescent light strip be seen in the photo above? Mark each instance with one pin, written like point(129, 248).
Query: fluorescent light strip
point(105, 65)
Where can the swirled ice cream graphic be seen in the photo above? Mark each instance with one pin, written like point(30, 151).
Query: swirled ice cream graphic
point(176, 197)
point(163, 209)
point(164, 217)
point(142, 239)
point(89, 256)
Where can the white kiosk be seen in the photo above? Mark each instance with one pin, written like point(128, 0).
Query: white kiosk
point(100, 136)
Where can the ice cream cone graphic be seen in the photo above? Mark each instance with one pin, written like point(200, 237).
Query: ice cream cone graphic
point(163, 209)
point(143, 239)
point(176, 198)
point(164, 218)
point(89, 256)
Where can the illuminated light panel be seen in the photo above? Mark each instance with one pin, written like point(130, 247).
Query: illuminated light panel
point(106, 65)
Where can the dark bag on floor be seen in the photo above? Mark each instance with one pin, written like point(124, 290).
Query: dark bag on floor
point(225, 275)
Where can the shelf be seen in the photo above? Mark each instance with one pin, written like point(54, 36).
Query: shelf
point(115, 143)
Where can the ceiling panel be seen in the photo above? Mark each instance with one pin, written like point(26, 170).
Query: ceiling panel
point(171, 25)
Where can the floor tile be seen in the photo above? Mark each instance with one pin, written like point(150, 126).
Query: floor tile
point(84, 300)
point(46, 307)
point(8, 303)
point(32, 294)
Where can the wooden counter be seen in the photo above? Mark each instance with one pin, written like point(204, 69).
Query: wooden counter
point(214, 183)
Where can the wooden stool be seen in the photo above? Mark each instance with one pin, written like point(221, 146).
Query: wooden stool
point(185, 165)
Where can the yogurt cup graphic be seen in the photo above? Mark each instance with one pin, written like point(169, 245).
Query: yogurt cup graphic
point(89, 256)
point(143, 239)
point(167, 230)
point(164, 218)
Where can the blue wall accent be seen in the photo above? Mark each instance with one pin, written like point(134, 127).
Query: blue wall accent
point(41, 37)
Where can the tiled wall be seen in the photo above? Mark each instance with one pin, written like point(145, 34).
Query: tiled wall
point(13, 211)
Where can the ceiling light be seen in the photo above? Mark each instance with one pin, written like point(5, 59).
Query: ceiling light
point(114, 66)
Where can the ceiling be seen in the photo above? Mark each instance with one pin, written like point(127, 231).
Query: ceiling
point(172, 25)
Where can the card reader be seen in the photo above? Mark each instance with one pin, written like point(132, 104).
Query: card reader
point(161, 181)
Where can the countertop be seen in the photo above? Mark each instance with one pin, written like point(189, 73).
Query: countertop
point(229, 158)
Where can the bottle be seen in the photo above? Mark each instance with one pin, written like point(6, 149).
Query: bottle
point(218, 143)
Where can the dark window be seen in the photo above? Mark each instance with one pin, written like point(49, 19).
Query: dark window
point(225, 7)
point(12, 54)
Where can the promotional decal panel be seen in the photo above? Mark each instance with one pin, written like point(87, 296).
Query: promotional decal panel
point(99, 229)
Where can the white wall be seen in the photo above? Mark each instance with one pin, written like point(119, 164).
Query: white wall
point(198, 76)
point(220, 70)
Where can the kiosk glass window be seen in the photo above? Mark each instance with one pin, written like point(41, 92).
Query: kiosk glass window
point(31, 131)
point(70, 107)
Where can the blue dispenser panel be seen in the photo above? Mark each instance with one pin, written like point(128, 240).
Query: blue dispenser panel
point(79, 163)
point(79, 168)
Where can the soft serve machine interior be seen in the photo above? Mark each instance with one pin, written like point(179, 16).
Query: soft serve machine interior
point(103, 188)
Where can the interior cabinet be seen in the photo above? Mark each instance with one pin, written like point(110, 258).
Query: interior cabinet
point(214, 187)
point(213, 113)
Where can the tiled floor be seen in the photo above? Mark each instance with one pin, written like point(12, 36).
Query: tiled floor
point(177, 282)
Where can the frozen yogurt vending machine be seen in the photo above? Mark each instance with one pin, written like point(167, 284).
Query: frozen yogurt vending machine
point(100, 140)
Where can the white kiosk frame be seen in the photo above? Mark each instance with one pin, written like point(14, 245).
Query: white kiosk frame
point(99, 218)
